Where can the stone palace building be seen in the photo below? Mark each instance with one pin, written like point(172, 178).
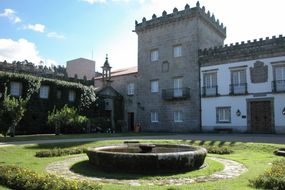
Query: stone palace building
point(187, 80)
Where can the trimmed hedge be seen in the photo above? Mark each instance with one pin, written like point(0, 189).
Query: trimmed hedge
point(24, 179)
point(273, 178)
point(60, 152)
point(219, 150)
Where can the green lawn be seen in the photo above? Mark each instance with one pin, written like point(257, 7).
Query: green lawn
point(256, 157)
point(74, 136)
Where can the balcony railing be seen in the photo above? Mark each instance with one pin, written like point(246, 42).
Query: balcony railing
point(209, 91)
point(278, 86)
point(176, 93)
point(238, 89)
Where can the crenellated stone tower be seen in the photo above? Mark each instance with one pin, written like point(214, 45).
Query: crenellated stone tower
point(168, 83)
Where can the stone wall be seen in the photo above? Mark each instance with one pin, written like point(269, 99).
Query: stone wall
point(119, 83)
point(192, 29)
point(250, 50)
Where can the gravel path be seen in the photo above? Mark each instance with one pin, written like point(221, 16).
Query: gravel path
point(231, 169)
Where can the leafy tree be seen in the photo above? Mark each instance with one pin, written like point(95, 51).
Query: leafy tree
point(11, 112)
point(67, 120)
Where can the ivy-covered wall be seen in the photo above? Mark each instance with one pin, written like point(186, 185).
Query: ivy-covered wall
point(35, 118)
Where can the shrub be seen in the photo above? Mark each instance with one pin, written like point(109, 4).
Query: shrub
point(60, 152)
point(273, 178)
point(218, 150)
point(101, 124)
point(19, 178)
point(67, 120)
point(11, 112)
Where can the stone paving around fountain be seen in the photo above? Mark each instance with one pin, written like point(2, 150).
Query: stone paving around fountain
point(231, 169)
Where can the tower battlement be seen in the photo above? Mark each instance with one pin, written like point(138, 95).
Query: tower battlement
point(176, 15)
point(243, 50)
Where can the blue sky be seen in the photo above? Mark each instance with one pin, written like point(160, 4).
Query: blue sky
point(56, 31)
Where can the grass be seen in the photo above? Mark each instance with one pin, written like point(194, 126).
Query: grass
point(256, 157)
point(74, 136)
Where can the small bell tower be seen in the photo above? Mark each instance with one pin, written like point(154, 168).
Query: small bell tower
point(106, 72)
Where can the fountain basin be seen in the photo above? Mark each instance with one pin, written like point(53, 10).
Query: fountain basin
point(162, 158)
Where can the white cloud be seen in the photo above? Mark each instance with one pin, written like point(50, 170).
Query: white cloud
point(95, 1)
point(36, 27)
point(55, 35)
point(21, 50)
point(11, 15)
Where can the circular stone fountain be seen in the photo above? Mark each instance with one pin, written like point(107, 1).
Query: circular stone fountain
point(141, 158)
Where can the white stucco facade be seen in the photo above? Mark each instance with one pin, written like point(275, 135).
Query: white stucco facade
point(261, 91)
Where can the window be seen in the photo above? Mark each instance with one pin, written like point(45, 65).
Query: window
point(238, 77)
point(177, 85)
point(131, 89)
point(154, 117)
point(279, 76)
point(165, 66)
point(71, 96)
point(44, 92)
point(178, 116)
point(154, 55)
point(210, 84)
point(16, 89)
point(58, 94)
point(238, 85)
point(154, 86)
point(223, 114)
point(177, 51)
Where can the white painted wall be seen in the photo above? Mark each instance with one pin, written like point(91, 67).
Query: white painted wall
point(209, 104)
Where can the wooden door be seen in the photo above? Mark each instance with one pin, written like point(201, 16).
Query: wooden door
point(131, 121)
point(261, 117)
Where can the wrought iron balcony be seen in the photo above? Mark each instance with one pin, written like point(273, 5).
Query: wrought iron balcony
point(209, 91)
point(238, 89)
point(278, 86)
point(176, 93)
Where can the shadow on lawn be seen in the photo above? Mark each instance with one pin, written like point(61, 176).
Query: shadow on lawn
point(209, 143)
point(86, 169)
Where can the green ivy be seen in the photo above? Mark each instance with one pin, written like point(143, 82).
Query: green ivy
point(34, 120)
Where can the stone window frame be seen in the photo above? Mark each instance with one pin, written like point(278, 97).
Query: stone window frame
point(154, 117)
point(238, 69)
point(44, 92)
point(152, 55)
point(210, 73)
point(16, 88)
point(178, 116)
point(151, 89)
point(227, 108)
point(174, 50)
point(165, 66)
point(276, 65)
point(131, 89)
